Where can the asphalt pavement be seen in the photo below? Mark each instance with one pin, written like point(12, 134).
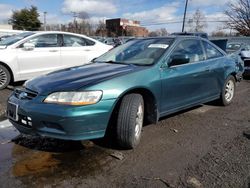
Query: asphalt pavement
point(200, 147)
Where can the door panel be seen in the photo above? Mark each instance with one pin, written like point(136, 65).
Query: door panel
point(44, 58)
point(184, 84)
point(215, 62)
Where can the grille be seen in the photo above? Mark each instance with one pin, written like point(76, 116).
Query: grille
point(247, 63)
point(25, 94)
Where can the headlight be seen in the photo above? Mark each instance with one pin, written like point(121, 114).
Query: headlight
point(74, 98)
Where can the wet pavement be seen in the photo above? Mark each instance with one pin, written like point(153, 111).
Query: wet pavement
point(31, 160)
point(202, 146)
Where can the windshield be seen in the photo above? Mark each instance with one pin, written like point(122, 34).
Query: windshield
point(139, 52)
point(13, 39)
point(233, 46)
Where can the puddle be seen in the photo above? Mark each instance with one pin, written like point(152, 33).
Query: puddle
point(33, 160)
point(35, 163)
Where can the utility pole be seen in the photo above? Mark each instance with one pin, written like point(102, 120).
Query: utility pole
point(184, 17)
point(75, 22)
point(44, 20)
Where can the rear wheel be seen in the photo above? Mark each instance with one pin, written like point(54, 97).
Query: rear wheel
point(130, 121)
point(228, 91)
point(4, 77)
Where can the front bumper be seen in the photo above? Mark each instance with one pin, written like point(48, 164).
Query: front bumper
point(61, 121)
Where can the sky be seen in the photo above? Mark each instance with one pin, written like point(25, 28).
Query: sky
point(153, 14)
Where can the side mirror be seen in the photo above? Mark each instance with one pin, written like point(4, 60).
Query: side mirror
point(178, 60)
point(28, 46)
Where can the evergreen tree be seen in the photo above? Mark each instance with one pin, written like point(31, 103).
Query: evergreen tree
point(26, 19)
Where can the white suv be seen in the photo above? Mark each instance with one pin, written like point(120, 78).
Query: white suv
point(31, 54)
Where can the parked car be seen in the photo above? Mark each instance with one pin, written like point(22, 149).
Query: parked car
point(243, 50)
point(112, 41)
point(238, 47)
point(31, 54)
point(221, 43)
point(137, 82)
point(5, 37)
point(198, 34)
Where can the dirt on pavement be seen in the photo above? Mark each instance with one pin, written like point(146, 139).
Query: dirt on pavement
point(199, 147)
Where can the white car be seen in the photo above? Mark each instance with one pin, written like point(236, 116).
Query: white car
point(31, 54)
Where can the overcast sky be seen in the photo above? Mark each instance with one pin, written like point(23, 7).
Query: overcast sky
point(153, 14)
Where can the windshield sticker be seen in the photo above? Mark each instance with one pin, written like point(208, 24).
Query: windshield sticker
point(164, 46)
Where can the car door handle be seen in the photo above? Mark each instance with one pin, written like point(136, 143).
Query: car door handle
point(53, 50)
point(207, 69)
point(196, 75)
point(87, 50)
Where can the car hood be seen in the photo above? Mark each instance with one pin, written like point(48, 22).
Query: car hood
point(78, 77)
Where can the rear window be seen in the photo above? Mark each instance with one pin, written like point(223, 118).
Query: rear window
point(75, 41)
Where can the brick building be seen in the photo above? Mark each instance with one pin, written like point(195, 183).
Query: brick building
point(125, 27)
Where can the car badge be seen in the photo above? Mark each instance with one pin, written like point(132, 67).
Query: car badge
point(23, 95)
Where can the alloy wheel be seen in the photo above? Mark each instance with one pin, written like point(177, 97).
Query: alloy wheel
point(3, 77)
point(229, 91)
point(139, 121)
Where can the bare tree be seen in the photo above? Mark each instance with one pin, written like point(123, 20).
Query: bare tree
point(101, 29)
point(198, 22)
point(239, 16)
point(158, 32)
point(163, 32)
point(153, 34)
point(219, 33)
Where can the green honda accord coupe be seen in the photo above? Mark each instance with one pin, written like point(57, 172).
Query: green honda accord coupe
point(133, 84)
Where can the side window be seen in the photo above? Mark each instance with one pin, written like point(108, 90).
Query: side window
point(211, 51)
point(190, 49)
point(43, 41)
point(74, 41)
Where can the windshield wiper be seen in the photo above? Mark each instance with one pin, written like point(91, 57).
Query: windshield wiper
point(139, 64)
point(116, 62)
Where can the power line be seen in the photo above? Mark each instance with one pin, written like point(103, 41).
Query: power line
point(174, 22)
point(146, 21)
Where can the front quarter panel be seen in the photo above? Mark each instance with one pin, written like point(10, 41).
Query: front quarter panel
point(8, 57)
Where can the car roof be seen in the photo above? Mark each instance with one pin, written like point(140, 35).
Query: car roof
point(173, 37)
point(57, 32)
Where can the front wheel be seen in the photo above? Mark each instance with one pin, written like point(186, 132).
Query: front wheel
point(130, 121)
point(228, 91)
point(4, 77)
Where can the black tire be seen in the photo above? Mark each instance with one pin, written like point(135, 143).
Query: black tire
point(4, 77)
point(227, 98)
point(128, 130)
